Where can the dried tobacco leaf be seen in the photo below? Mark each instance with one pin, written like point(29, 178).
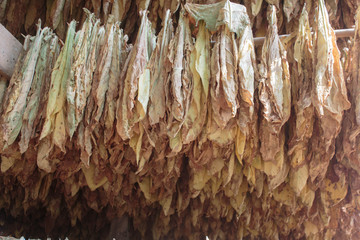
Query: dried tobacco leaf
point(348, 144)
point(246, 72)
point(246, 141)
point(229, 19)
point(224, 84)
point(301, 124)
point(329, 95)
point(158, 72)
point(256, 7)
point(40, 82)
point(132, 103)
point(290, 8)
point(179, 81)
point(273, 2)
point(118, 60)
point(87, 125)
point(355, 74)
point(54, 131)
point(199, 186)
point(55, 13)
point(199, 59)
point(274, 90)
point(103, 70)
point(17, 99)
point(84, 62)
point(227, 13)
point(120, 8)
point(274, 94)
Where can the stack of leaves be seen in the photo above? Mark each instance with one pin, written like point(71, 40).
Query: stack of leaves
point(191, 132)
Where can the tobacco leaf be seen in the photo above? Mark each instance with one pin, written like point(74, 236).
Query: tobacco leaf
point(199, 59)
point(84, 62)
point(41, 82)
point(179, 80)
point(301, 124)
point(118, 60)
point(329, 97)
point(54, 131)
point(17, 99)
point(158, 72)
point(132, 103)
point(274, 90)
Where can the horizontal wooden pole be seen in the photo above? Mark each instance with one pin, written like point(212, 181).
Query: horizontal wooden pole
point(339, 33)
point(10, 49)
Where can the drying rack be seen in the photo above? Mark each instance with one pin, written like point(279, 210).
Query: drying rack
point(10, 47)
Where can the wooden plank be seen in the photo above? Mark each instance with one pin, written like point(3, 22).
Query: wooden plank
point(10, 49)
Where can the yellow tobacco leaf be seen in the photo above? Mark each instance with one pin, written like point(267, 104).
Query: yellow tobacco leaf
point(200, 179)
point(92, 182)
point(240, 141)
point(285, 195)
point(333, 192)
point(256, 6)
point(310, 229)
point(199, 59)
point(298, 178)
point(7, 163)
point(307, 196)
point(237, 202)
point(55, 122)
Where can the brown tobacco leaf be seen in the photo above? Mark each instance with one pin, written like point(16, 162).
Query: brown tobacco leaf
point(158, 72)
point(274, 90)
point(329, 95)
point(355, 70)
point(348, 143)
point(120, 8)
point(98, 63)
point(55, 13)
point(224, 84)
point(106, 59)
point(117, 63)
point(179, 80)
point(132, 103)
point(199, 59)
point(301, 124)
point(247, 137)
point(291, 7)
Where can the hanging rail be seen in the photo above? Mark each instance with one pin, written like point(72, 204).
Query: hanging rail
point(339, 33)
point(10, 47)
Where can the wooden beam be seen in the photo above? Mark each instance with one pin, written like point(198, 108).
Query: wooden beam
point(339, 33)
point(10, 49)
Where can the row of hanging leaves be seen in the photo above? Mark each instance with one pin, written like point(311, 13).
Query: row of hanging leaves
point(187, 128)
